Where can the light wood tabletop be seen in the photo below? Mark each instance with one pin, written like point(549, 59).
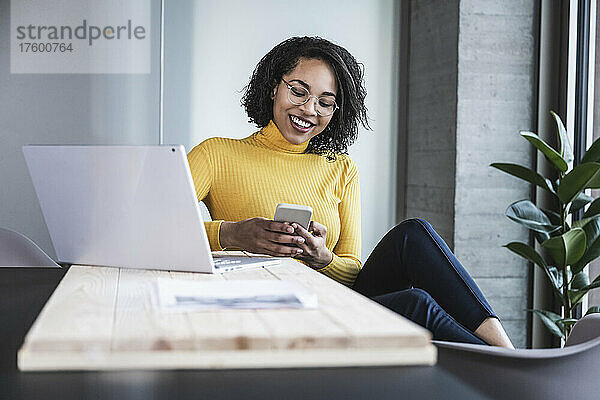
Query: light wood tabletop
point(101, 318)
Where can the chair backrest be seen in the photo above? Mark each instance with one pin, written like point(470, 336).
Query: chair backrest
point(587, 328)
point(17, 250)
point(204, 211)
point(567, 373)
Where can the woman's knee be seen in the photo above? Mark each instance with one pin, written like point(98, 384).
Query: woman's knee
point(411, 226)
point(411, 302)
point(420, 296)
point(420, 307)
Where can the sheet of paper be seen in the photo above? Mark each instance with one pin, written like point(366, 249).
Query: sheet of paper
point(183, 296)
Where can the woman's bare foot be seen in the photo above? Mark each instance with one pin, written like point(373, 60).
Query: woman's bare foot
point(492, 332)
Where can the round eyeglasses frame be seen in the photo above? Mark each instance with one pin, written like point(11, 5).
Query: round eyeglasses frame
point(318, 108)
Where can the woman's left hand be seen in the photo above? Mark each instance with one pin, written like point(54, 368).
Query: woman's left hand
point(314, 251)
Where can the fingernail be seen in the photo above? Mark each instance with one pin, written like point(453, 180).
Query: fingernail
point(294, 225)
point(300, 240)
point(290, 230)
point(299, 251)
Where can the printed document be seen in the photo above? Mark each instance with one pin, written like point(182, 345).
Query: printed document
point(183, 295)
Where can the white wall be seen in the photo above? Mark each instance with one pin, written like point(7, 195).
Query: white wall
point(212, 47)
point(66, 109)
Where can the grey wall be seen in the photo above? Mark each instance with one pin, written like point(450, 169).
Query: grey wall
point(211, 49)
point(472, 76)
point(66, 109)
point(431, 142)
point(496, 84)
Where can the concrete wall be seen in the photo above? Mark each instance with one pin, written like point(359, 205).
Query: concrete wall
point(66, 109)
point(472, 77)
point(431, 142)
point(496, 83)
point(211, 49)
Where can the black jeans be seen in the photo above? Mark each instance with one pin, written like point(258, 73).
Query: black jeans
point(413, 272)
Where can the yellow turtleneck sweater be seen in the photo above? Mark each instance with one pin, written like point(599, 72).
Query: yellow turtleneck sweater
point(240, 179)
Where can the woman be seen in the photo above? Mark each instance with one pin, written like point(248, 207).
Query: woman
point(307, 96)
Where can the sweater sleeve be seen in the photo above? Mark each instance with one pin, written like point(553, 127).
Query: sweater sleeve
point(346, 255)
point(202, 174)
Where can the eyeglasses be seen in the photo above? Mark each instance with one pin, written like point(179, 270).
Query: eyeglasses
point(298, 95)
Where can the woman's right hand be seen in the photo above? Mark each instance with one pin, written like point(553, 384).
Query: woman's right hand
point(261, 235)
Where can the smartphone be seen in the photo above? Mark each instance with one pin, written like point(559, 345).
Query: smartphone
point(294, 213)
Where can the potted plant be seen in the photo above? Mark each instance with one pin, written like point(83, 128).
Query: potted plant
point(567, 247)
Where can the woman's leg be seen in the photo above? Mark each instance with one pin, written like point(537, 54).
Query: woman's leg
point(412, 254)
point(418, 306)
point(492, 331)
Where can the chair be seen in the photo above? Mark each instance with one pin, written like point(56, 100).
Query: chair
point(567, 373)
point(17, 250)
point(204, 211)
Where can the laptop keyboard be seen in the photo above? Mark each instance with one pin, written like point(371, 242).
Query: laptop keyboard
point(225, 262)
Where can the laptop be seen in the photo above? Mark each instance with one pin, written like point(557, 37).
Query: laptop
point(125, 206)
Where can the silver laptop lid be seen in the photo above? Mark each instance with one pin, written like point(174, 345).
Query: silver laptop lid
point(122, 206)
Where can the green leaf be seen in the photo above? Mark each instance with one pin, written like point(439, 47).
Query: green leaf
point(595, 283)
point(565, 322)
point(595, 182)
point(526, 213)
point(557, 278)
point(593, 310)
point(593, 153)
point(577, 295)
point(580, 223)
point(580, 280)
point(567, 248)
point(561, 323)
point(565, 145)
point(556, 275)
point(549, 319)
point(579, 202)
point(529, 253)
point(541, 237)
point(593, 209)
point(591, 227)
point(581, 177)
point(554, 217)
point(523, 173)
point(551, 155)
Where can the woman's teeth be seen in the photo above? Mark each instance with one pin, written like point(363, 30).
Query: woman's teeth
point(301, 123)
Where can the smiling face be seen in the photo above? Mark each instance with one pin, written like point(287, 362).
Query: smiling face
point(300, 123)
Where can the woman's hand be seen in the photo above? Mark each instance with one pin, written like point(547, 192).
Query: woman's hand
point(314, 251)
point(261, 235)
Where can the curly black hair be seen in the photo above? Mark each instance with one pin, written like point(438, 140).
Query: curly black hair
point(342, 130)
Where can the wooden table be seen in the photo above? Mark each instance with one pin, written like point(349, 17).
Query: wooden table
point(102, 318)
